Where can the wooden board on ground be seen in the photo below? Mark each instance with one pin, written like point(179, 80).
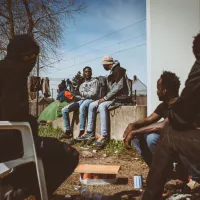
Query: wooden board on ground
point(98, 169)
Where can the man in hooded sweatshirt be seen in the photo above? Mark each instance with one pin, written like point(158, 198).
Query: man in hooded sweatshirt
point(59, 159)
point(117, 86)
point(179, 135)
point(88, 90)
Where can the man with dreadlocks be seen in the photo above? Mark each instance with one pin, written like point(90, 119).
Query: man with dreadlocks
point(179, 136)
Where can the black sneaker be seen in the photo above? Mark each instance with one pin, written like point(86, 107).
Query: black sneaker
point(81, 133)
point(67, 134)
point(88, 136)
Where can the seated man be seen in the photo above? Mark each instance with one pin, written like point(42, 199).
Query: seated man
point(88, 93)
point(167, 90)
point(117, 86)
point(179, 136)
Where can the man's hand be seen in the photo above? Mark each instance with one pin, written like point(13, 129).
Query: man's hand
point(127, 140)
point(129, 128)
point(101, 101)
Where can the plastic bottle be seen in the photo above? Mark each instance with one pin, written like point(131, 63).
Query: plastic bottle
point(85, 193)
point(98, 197)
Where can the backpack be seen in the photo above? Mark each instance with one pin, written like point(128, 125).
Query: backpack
point(68, 95)
point(102, 86)
point(126, 97)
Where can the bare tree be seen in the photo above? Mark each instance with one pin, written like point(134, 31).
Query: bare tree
point(44, 20)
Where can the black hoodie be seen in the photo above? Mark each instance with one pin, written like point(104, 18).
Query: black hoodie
point(185, 110)
point(13, 79)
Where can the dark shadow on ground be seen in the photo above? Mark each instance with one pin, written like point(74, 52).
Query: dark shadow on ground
point(128, 195)
point(122, 181)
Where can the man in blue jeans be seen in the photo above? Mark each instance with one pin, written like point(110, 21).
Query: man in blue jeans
point(167, 90)
point(117, 86)
point(88, 93)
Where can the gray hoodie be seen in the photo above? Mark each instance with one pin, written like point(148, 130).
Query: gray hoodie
point(89, 89)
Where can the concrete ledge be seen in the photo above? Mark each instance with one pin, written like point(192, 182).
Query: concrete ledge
point(119, 119)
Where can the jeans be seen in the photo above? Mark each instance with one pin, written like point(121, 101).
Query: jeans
point(103, 111)
point(146, 146)
point(171, 143)
point(82, 105)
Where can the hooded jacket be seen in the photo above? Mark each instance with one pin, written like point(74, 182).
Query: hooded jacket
point(89, 89)
point(185, 110)
point(116, 82)
point(14, 71)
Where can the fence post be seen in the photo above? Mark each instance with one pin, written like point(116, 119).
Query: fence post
point(37, 100)
point(135, 101)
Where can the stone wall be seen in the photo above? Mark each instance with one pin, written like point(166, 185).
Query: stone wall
point(119, 119)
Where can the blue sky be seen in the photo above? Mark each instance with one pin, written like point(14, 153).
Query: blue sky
point(101, 18)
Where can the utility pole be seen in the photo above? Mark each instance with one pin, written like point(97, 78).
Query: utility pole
point(37, 98)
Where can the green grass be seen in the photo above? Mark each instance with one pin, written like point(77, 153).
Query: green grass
point(49, 131)
point(113, 147)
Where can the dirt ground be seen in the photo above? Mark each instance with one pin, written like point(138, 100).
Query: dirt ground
point(130, 165)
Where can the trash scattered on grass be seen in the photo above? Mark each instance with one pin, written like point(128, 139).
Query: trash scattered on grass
point(86, 154)
point(67, 196)
point(77, 187)
point(180, 196)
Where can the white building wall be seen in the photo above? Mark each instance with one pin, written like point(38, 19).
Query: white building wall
point(171, 25)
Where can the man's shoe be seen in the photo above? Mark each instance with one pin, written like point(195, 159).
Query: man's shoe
point(67, 134)
point(81, 133)
point(101, 142)
point(88, 136)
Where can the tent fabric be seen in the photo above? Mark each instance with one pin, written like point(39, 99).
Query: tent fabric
point(52, 111)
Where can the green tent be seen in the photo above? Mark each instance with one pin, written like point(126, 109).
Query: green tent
point(52, 111)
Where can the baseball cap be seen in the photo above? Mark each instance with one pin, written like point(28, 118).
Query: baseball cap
point(107, 60)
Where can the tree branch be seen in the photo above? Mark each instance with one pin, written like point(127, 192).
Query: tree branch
point(30, 19)
point(11, 20)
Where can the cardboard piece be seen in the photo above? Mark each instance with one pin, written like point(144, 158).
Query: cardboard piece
point(97, 169)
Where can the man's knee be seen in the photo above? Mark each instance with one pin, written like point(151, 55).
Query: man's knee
point(83, 108)
point(92, 106)
point(65, 110)
point(152, 139)
point(102, 107)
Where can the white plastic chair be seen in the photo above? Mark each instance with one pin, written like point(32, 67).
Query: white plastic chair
point(28, 156)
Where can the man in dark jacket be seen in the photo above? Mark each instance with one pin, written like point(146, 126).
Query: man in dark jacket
point(178, 133)
point(59, 159)
point(117, 86)
point(21, 57)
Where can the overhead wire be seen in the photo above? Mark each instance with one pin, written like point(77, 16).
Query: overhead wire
point(59, 60)
point(101, 57)
point(96, 50)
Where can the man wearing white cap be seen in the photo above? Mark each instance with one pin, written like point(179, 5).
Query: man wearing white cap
point(117, 86)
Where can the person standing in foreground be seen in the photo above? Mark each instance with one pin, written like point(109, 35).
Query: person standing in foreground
point(59, 159)
point(178, 133)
